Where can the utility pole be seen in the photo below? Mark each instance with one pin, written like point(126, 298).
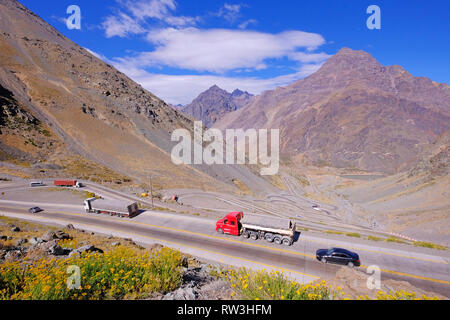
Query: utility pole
point(151, 190)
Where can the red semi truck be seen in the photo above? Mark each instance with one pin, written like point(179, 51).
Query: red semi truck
point(278, 230)
point(67, 183)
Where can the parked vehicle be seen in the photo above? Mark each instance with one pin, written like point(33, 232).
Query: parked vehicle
point(280, 231)
point(37, 184)
point(123, 209)
point(68, 183)
point(338, 256)
point(35, 210)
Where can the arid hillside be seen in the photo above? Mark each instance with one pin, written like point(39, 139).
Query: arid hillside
point(353, 113)
point(77, 106)
point(415, 203)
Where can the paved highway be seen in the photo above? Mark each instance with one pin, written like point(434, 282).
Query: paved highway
point(429, 271)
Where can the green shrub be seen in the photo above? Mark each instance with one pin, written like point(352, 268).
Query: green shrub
point(333, 232)
point(396, 240)
point(429, 245)
point(353, 234)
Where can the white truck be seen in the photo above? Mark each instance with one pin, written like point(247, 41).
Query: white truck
point(123, 209)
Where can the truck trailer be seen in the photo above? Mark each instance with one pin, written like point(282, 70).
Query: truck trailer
point(123, 209)
point(278, 230)
point(67, 183)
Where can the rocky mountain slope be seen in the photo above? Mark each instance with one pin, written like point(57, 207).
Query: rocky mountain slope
point(353, 113)
point(416, 202)
point(213, 104)
point(435, 160)
point(90, 109)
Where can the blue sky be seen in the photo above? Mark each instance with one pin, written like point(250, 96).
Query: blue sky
point(177, 49)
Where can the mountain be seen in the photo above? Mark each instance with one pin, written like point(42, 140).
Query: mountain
point(434, 162)
point(352, 113)
point(65, 109)
point(213, 104)
point(241, 98)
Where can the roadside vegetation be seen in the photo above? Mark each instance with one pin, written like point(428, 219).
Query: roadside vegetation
point(399, 295)
point(396, 240)
point(429, 245)
point(353, 235)
point(124, 270)
point(275, 285)
point(263, 285)
point(121, 273)
point(333, 232)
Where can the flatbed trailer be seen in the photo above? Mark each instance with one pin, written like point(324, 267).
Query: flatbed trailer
point(123, 209)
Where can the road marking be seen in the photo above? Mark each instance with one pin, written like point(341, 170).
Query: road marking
point(383, 252)
point(249, 244)
point(231, 240)
point(245, 243)
point(187, 232)
point(178, 244)
point(412, 276)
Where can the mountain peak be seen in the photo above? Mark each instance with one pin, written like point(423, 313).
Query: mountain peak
point(349, 51)
point(215, 102)
point(238, 93)
point(352, 58)
point(215, 87)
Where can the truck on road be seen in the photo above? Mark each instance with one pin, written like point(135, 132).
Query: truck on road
point(37, 184)
point(67, 183)
point(123, 209)
point(277, 230)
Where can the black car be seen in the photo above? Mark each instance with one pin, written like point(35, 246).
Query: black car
point(338, 256)
point(35, 210)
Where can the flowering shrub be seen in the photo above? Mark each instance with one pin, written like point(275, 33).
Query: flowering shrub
point(399, 295)
point(263, 285)
point(119, 274)
point(274, 285)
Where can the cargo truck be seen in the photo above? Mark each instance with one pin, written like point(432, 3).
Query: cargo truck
point(67, 183)
point(280, 231)
point(123, 209)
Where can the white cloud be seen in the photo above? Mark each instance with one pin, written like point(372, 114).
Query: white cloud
point(309, 57)
point(182, 89)
point(245, 24)
point(231, 12)
point(177, 44)
point(121, 25)
point(135, 22)
point(157, 9)
point(220, 50)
